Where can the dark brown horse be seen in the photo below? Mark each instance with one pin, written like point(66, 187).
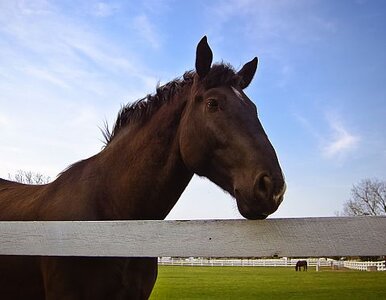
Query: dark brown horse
point(202, 123)
point(301, 264)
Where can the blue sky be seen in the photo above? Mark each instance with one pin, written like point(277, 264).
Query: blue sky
point(66, 66)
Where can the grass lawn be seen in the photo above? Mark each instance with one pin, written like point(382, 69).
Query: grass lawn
point(177, 282)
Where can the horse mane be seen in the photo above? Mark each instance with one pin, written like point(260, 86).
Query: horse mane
point(141, 110)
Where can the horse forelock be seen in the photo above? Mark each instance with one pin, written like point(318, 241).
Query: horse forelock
point(141, 110)
point(221, 75)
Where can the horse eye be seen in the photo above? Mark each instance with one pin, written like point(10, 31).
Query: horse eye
point(212, 104)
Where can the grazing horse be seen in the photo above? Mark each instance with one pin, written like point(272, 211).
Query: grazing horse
point(202, 123)
point(300, 264)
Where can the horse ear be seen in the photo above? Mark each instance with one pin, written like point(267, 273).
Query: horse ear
point(204, 57)
point(247, 72)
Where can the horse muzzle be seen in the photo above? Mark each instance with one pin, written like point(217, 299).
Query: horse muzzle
point(264, 199)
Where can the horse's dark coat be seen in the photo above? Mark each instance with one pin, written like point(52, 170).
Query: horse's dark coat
point(300, 264)
point(202, 123)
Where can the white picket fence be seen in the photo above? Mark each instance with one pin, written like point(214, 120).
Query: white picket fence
point(280, 262)
point(213, 262)
point(365, 265)
point(297, 237)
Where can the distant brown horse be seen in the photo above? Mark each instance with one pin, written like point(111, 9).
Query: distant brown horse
point(202, 123)
point(300, 264)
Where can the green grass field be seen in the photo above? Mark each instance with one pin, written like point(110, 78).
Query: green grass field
point(176, 282)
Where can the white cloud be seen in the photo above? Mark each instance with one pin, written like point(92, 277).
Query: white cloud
point(103, 9)
point(88, 74)
point(147, 30)
point(64, 51)
point(45, 75)
point(271, 28)
point(37, 7)
point(308, 126)
point(340, 141)
point(266, 19)
point(3, 121)
point(156, 6)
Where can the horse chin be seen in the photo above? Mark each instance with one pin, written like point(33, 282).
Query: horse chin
point(251, 212)
point(254, 216)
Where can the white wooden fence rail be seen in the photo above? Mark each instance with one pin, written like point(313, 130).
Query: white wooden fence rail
point(225, 262)
point(365, 265)
point(306, 237)
point(281, 262)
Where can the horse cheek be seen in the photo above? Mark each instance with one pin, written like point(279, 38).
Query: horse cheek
point(193, 149)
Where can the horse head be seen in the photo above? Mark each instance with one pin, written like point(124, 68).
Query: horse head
point(222, 138)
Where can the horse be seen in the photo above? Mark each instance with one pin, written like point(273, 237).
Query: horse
point(201, 123)
point(300, 264)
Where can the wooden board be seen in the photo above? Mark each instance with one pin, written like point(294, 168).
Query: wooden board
point(308, 237)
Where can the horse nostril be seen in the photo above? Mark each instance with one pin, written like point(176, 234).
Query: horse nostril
point(264, 185)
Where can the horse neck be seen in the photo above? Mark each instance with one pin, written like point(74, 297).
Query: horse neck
point(143, 172)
